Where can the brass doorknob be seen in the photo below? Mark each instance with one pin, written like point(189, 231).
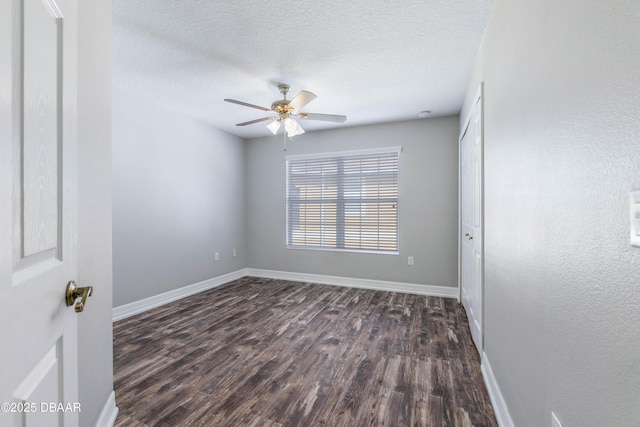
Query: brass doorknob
point(74, 292)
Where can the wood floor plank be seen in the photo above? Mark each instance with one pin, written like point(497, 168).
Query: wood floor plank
point(274, 353)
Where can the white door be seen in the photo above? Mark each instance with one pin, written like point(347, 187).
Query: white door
point(471, 210)
point(38, 331)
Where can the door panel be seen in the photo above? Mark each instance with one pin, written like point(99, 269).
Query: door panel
point(41, 121)
point(37, 139)
point(465, 218)
point(38, 364)
point(471, 220)
point(38, 388)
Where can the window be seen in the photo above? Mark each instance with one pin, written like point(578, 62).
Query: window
point(344, 201)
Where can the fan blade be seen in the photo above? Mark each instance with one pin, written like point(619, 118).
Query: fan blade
point(323, 117)
point(246, 104)
point(301, 99)
point(254, 121)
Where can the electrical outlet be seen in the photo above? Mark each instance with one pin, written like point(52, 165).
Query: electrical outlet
point(410, 260)
point(234, 252)
point(555, 422)
point(216, 256)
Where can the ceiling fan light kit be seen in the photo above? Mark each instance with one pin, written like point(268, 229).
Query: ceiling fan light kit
point(292, 127)
point(286, 111)
point(274, 126)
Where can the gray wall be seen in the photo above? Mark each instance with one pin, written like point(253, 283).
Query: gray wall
point(178, 197)
point(95, 341)
point(562, 150)
point(428, 203)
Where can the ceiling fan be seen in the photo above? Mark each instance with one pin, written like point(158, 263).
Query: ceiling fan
point(284, 111)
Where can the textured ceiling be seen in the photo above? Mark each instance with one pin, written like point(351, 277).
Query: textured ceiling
point(371, 60)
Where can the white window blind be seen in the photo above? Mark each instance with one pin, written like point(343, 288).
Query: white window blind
point(344, 201)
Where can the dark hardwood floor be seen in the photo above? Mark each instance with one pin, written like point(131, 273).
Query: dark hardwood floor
point(261, 352)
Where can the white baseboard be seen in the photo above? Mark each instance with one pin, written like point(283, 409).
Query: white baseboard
point(127, 310)
point(497, 400)
point(137, 307)
point(379, 285)
point(109, 412)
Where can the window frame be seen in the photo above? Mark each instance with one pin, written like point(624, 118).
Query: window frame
point(343, 201)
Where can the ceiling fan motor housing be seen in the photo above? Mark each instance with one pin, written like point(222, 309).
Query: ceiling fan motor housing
point(281, 107)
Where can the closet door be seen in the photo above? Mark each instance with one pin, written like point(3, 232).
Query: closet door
point(471, 221)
